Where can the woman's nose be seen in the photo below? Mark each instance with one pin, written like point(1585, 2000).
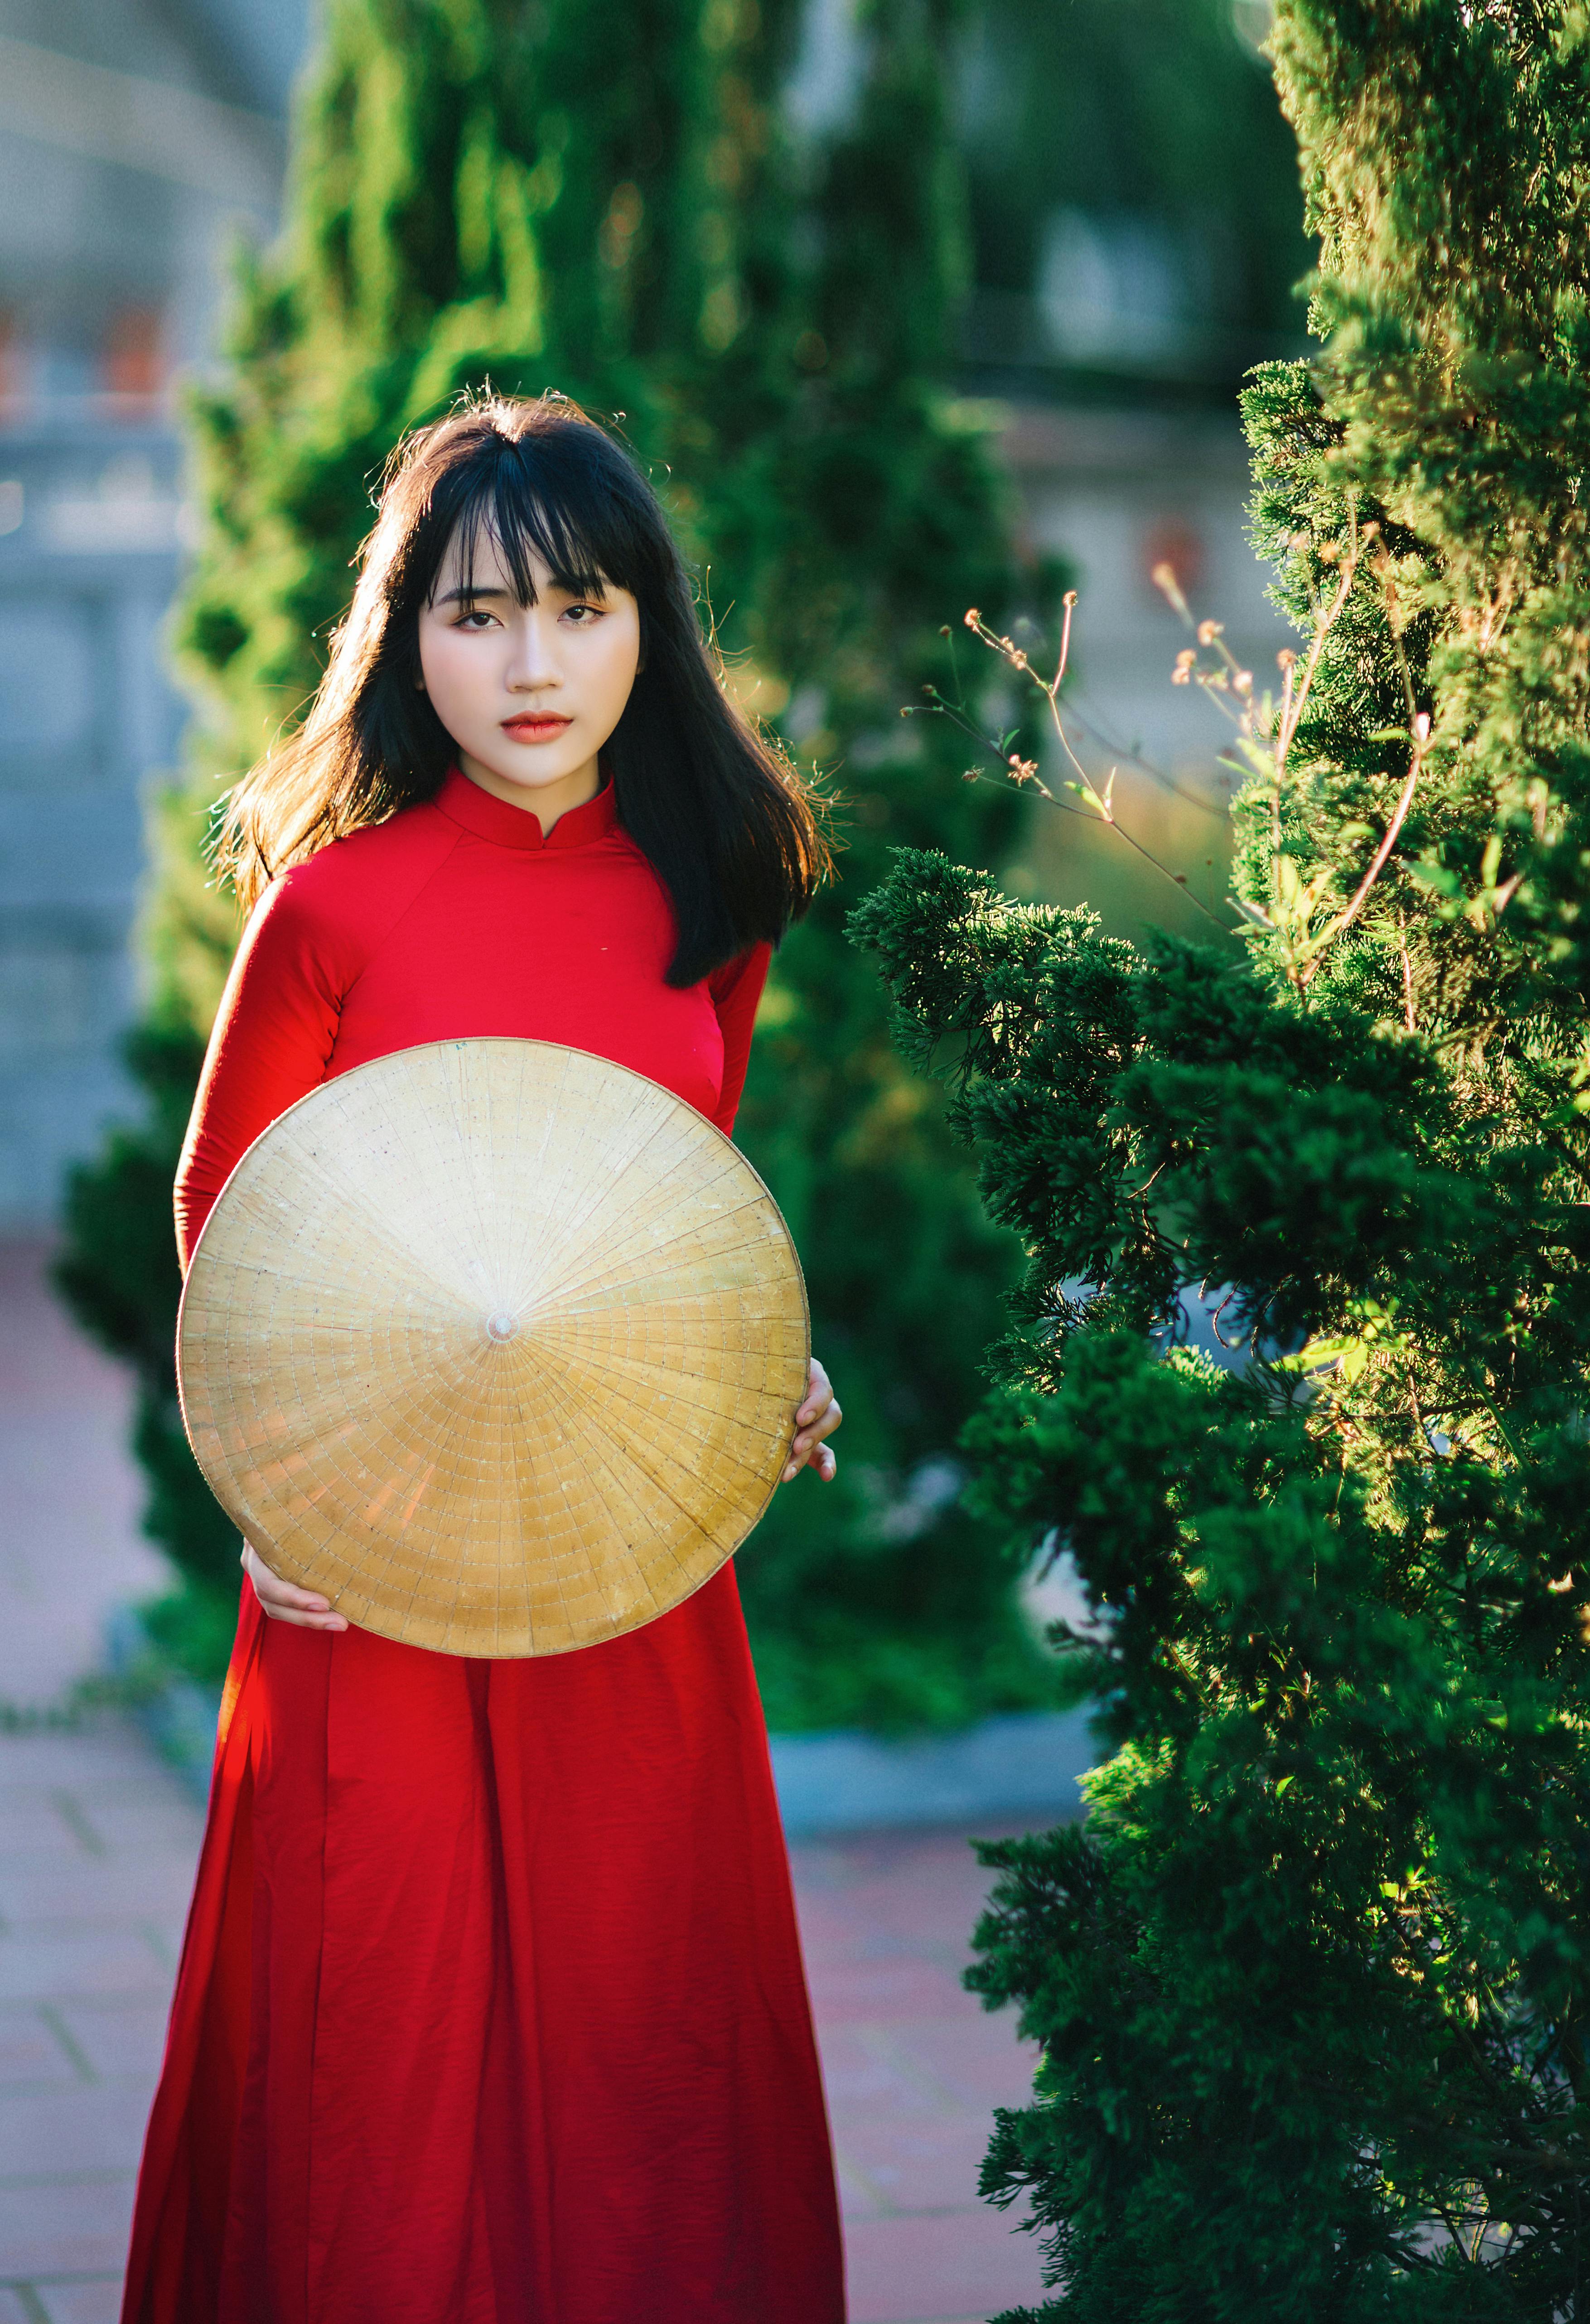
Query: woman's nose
point(535, 658)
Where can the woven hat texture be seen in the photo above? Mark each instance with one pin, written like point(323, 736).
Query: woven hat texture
point(496, 1343)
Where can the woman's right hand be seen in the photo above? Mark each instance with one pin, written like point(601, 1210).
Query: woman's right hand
point(283, 1601)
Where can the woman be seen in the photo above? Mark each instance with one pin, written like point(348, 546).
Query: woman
point(491, 2008)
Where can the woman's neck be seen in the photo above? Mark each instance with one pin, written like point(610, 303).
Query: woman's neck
point(548, 802)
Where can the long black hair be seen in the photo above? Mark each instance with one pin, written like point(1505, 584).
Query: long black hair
point(715, 806)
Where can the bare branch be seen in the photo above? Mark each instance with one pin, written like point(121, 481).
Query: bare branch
point(1344, 919)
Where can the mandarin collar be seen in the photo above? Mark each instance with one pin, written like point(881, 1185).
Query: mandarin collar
point(490, 817)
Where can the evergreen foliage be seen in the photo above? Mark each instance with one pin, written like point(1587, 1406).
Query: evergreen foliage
point(870, 1599)
point(604, 201)
point(1312, 1981)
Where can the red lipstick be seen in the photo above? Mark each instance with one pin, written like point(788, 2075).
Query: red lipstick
point(536, 727)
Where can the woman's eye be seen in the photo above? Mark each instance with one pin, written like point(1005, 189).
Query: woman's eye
point(477, 618)
point(583, 617)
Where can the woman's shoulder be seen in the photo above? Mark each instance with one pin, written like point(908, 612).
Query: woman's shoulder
point(367, 858)
point(349, 892)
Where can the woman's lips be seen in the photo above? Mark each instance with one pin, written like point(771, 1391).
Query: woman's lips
point(540, 727)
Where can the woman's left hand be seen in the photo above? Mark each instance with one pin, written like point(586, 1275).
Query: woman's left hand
point(817, 1418)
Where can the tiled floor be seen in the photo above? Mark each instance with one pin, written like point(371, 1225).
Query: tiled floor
point(96, 1848)
point(913, 2068)
point(69, 1544)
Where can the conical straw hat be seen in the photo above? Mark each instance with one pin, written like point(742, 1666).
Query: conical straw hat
point(497, 1345)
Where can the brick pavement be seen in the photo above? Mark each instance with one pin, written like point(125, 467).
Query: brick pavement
point(913, 2067)
point(96, 1848)
point(69, 1545)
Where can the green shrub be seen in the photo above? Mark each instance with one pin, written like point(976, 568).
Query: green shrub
point(1312, 1981)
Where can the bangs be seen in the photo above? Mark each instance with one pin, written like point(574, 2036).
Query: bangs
point(528, 503)
point(713, 808)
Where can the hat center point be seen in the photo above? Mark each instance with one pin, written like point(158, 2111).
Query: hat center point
point(500, 1325)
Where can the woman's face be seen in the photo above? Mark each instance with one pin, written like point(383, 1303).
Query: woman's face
point(528, 692)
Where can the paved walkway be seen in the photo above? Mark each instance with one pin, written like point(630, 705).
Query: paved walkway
point(913, 2067)
point(97, 1847)
point(69, 1545)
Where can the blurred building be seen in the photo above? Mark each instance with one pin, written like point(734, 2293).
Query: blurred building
point(137, 137)
point(1119, 492)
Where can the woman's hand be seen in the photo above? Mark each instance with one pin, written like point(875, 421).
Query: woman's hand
point(283, 1601)
point(818, 1417)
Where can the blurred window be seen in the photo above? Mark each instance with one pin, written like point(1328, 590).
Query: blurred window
point(134, 360)
point(10, 367)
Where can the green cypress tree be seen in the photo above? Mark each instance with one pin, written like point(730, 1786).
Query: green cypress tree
point(571, 197)
point(876, 1600)
point(1312, 1981)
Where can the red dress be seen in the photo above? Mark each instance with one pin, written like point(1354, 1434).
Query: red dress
point(491, 2008)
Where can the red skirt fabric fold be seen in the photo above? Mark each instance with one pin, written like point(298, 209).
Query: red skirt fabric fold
point(491, 2008)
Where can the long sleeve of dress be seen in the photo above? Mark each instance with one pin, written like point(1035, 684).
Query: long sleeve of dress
point(736, 989)
point(271, 1045)
point(310, 938)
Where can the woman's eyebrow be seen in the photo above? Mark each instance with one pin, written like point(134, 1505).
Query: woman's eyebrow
point(462, 595)
point(567, 586)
